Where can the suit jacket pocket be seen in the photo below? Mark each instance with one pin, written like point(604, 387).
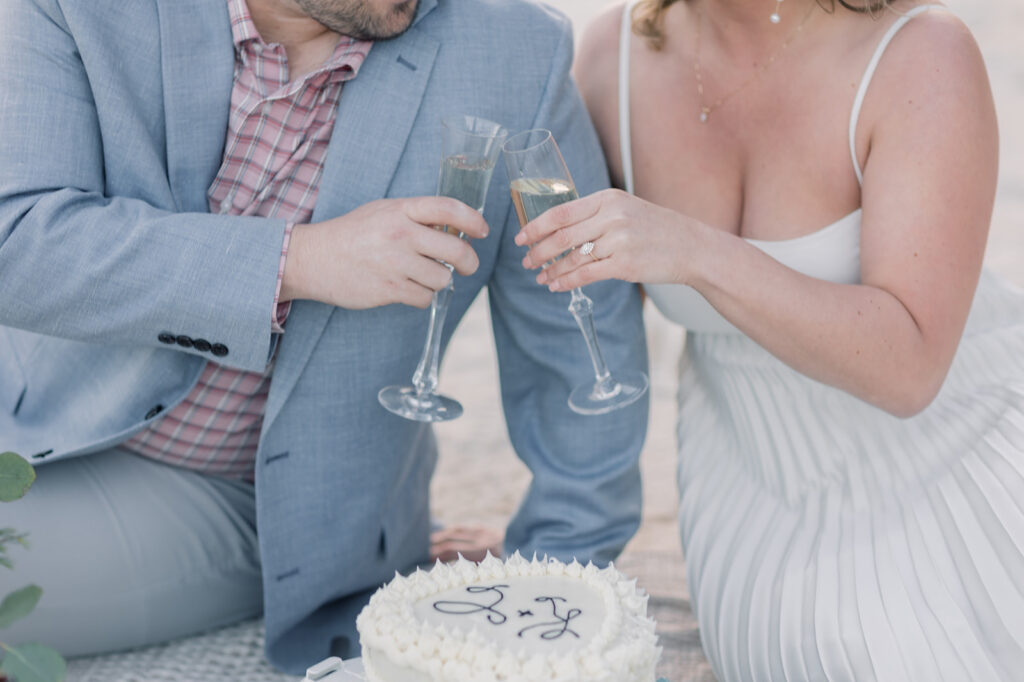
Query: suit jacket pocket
point(12, 378)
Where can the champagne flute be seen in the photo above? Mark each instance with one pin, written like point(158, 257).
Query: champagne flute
point(469, 152)
point(539, 180)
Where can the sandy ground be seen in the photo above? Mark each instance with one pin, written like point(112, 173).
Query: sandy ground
point(476, 455)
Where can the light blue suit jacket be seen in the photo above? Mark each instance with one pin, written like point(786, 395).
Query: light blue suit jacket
point(112, 124)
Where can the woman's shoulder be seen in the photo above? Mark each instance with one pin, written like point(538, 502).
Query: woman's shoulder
point(929, 70)
point(934, 45)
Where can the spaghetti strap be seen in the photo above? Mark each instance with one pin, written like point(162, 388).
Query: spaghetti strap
point(625, 144)
point(869, 72)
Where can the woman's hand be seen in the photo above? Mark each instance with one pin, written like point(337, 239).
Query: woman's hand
point(634, 240)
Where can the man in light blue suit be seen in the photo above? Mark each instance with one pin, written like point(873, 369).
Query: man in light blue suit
point(112, 128)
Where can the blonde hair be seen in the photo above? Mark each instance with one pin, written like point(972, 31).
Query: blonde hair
point(648, 16)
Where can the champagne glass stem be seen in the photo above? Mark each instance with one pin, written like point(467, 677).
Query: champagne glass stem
point(582, 309)
point(424, 379)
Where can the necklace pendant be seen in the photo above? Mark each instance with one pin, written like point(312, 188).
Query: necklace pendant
point(704, 116)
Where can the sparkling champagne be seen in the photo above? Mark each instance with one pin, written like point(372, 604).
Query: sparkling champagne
point(465, 180)
point(533, 196)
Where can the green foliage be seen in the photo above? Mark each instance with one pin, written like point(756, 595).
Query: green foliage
point(29, 662)
point(16, 476)
point(33, 663)
point(9, 536)
point(19, 604)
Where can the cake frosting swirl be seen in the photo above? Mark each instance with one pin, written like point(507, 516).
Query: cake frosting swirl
point(517, 620)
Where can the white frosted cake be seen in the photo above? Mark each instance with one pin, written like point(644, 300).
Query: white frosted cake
point(509, 621)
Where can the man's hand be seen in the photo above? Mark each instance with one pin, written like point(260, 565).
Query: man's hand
point(387, 251)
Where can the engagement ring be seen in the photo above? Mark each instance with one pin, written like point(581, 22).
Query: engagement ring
point(587, 249)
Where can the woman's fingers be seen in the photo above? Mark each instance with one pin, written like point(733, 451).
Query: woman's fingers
point(574, 260)
point(604, 236)
point(597, 228)
point(588, 273)
point(559, 245)
point(559, 217)
point(579, 268)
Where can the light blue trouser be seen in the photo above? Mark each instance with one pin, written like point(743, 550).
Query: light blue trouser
point(130, 552)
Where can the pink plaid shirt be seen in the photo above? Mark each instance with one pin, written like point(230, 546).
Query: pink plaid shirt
point(274, 153)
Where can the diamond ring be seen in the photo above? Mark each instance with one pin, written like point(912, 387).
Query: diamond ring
point(587, 249)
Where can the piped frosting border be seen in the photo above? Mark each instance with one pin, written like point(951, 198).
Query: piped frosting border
point(624, 649)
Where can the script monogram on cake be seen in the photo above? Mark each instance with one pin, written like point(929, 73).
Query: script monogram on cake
point(514, 620)
point(520, 614)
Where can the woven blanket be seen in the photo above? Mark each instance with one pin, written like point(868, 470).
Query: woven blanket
point(235, 654)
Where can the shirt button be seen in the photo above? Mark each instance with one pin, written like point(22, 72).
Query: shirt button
point(219, 349)
point(201, 345)
point(184, 341)
point(225, 206)
point(166, 337)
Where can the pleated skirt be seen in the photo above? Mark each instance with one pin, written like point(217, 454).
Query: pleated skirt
point(828, 540)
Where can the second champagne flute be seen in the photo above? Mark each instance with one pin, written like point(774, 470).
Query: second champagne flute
point(469, 151)
point(539, 180)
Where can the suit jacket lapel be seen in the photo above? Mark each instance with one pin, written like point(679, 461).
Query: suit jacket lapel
point(375, 117)
point(198, 68)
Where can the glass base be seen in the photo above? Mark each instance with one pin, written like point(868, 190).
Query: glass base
point(403, 401)
point(621, 390)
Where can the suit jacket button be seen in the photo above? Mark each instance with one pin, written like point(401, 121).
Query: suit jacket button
point(154, 412)
point(219, 349)
point(201, 345)
point(184, 341)
point(166, 337)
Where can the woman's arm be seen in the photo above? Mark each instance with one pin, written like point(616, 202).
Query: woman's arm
point(929, 182)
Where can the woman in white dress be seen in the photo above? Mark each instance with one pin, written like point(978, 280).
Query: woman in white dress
point(851, 405)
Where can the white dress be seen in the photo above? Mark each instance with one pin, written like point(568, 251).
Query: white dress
point(826, 539)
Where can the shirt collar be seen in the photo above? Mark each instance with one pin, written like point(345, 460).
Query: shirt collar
point(349, 54)
point(242, 27)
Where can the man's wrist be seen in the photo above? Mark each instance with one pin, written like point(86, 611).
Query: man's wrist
point(292, 286)
point(281, 308)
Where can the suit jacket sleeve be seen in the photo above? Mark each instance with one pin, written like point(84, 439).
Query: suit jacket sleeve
point(585, 499)
point(81, 261)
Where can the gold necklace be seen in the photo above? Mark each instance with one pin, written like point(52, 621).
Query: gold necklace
point(705, 110)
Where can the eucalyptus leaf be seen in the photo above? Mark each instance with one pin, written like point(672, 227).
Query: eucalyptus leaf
point(33, 663)
point(16, 476)
point(19, 604)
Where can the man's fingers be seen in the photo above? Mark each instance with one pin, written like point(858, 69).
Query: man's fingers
point(414, 294)
point(428, 273)
point(446, 247)
point(446, 211)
